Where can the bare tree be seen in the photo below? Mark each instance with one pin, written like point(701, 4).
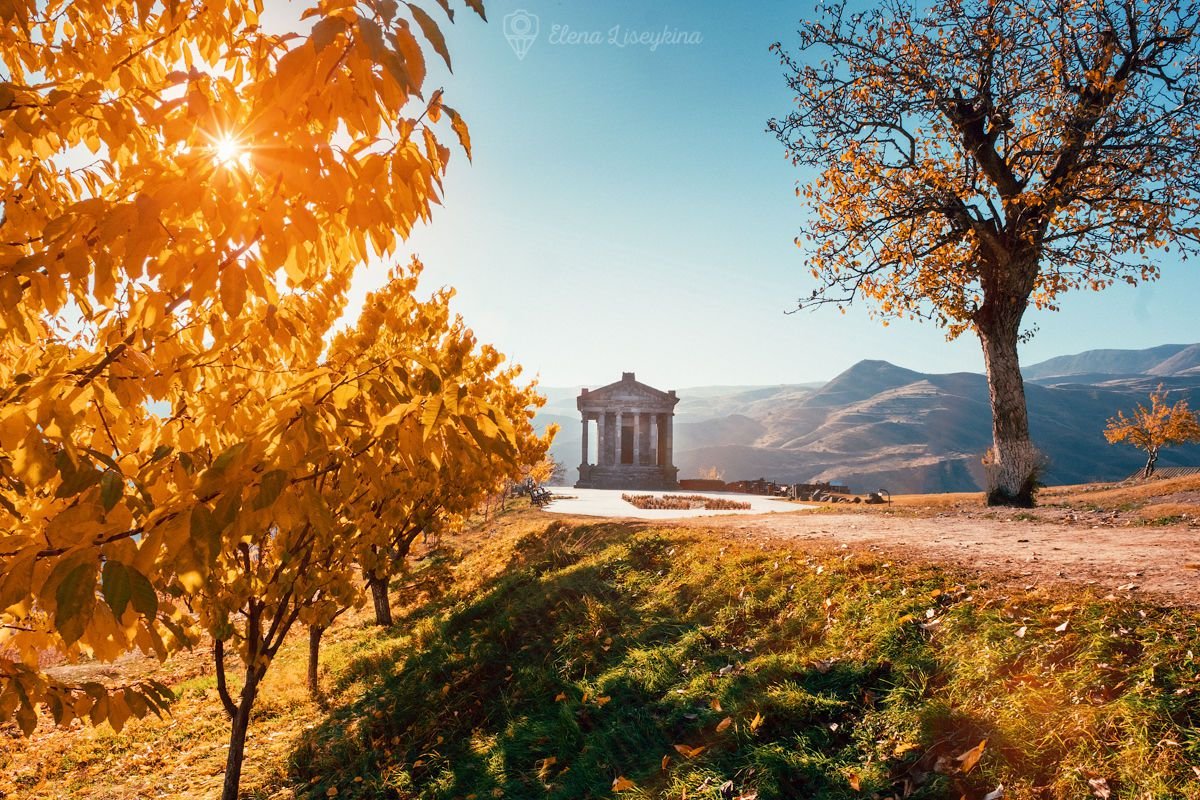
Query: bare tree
point(972, 158)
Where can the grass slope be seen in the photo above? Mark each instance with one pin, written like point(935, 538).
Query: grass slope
point(689, 667)
point(560, 660)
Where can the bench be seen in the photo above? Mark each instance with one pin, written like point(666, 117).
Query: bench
point(539, 495)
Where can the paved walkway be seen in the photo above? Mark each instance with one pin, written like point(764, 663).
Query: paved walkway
point(608, 503)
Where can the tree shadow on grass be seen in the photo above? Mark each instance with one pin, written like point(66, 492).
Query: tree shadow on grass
point(559, 676)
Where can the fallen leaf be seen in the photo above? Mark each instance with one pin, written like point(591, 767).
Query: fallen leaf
point(332, 791)
point(1021, 632)
point(969, 759)
point(715, 705)
point(445, 690)
point(689, 752)
point(665, 762)
point(723, 724)
point(602, 700)
point(547, 763)
point(560, 697)
point(855, 781)
point(1100, 788)
point(995, 794)
point(757, 722)
point(1062, 627)
point(622, 784)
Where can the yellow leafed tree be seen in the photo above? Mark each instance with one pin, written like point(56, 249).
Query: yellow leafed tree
point(1151, 429)
point(972, 158)
point(185, 197)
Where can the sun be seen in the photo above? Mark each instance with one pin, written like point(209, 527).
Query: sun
point(228, 151)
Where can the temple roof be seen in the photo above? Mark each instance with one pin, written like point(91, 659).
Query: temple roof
point(627, 393)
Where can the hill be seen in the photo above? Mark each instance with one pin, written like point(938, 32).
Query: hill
point(1164, 360)
point(878, 425)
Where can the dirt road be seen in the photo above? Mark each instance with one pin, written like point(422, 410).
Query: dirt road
point(1159, 562)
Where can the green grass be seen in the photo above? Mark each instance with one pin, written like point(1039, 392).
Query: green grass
point(602, 648)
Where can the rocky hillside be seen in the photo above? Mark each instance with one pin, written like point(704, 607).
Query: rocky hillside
point(878, 425)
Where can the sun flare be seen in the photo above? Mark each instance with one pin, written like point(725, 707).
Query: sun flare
point(229, 152)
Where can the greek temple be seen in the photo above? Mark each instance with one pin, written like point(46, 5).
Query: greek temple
point(633, 436)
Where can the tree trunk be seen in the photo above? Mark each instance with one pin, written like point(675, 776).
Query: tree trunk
point(1013, 464)
point(237, 736)
point(383, 604)
point(314, 659)
point(1150, 462)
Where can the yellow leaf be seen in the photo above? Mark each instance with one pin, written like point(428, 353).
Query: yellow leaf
point(622, 784)
point(689, 752)
point(723, 724)
point(969, 759)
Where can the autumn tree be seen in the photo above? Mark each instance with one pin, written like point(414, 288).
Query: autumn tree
point(1151, 429)
point(185, 198)
point(974, 157)
point(480, 412)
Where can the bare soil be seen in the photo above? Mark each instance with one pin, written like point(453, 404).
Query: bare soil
point(1141, 539)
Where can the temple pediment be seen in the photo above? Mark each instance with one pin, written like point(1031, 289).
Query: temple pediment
point(627, 392)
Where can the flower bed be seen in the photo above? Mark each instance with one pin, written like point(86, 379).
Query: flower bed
point(683, 502)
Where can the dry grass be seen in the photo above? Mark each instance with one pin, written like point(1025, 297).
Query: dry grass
point(1124, 493)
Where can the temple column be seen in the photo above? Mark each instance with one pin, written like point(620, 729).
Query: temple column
point(669, 455)
point(620, 432)
point(585, 442)
point(637, 438)
point(601, 438)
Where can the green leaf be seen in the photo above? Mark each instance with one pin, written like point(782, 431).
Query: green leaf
point(76, 601)
point(112, 486)
point(206, 534)
point(115, 586)
point(432, 32)
point(160, 452)
point(75, 480)
point(141, 594)
point(222, 462)
point(270, 486)
point(228, 507)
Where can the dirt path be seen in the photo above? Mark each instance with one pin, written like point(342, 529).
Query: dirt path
point(1158, 562)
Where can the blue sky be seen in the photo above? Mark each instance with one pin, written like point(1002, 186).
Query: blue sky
point(626, 211)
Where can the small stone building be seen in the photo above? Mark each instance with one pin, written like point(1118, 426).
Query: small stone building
point(634, 434)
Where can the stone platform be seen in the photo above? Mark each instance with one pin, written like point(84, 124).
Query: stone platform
point(628, 476)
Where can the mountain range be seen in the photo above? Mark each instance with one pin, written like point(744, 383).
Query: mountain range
point(881, 426)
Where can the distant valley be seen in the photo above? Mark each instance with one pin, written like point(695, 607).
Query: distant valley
point(878, 425)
